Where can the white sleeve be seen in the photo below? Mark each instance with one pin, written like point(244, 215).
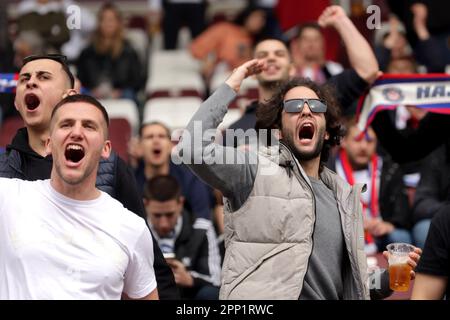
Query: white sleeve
point(140, 276)
point(7, 189)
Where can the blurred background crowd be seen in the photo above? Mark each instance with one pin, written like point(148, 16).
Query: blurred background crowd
point(153, 62)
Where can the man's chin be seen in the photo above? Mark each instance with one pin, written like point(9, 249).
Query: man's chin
point(270, 82)
point(307, 153)
point(72, 180)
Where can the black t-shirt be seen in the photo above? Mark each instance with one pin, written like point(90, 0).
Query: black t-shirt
point(435, 258)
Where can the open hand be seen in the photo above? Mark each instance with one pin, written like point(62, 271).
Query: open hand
point(182, 276)
point(414, 258)
point(245, 70)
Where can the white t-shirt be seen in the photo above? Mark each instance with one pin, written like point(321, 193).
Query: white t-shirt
point(54, 247)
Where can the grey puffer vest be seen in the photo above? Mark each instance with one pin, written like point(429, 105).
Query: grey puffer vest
point(269, 238)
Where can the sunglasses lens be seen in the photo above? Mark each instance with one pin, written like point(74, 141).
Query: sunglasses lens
point(317, 106)
point(293, 106)
point(296, 105)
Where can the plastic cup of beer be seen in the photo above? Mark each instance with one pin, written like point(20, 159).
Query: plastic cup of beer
point(399, 269)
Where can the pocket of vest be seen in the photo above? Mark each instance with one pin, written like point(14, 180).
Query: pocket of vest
point(258, 264)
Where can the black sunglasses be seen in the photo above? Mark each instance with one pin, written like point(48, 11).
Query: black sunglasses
point(296, 105)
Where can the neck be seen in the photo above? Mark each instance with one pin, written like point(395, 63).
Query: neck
point(37, 139)
point(152, 171)
point(311, 167)
point(266, 91)
point(83, 191)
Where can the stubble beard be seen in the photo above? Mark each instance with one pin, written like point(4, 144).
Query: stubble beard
point(302, 155)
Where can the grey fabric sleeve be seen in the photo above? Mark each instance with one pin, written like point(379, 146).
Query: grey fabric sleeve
point(227, 169)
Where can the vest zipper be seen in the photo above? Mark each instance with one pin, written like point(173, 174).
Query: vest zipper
point(314, 209)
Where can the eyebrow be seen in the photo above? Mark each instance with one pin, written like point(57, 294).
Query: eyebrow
point(267, 51)
point(91, 122)
point(83, 121)
point(39, 73)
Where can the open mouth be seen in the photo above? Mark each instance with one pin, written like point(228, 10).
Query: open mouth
point(74, 153)
point(32, 101)
point(271, 68)
point(306, 131)
point(157, 152)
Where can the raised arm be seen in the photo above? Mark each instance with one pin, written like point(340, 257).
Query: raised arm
point(360, 54)
point(227, 169)
point(405, 147)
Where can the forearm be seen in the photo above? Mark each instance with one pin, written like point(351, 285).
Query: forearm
point(429, 287)
point(416, 144)
point(226, 169)
point(360, 54)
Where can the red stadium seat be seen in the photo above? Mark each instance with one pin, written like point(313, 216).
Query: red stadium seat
point(120, 135)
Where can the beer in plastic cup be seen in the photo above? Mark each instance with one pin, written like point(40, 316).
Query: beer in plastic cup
point(399, 269)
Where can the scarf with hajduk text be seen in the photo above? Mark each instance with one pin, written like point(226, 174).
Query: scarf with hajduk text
point(427, 91)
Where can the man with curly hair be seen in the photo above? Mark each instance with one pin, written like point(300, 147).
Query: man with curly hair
point(293, 228)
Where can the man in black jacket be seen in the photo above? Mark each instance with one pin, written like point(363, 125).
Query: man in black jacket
point(191, 241)
point(43, 81)
point(349, 84)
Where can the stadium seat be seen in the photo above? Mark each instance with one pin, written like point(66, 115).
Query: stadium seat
point(120, 135)
point(230, 117)
point(174, 111)
point(123, 108)
point(174, 72)
point(139, 41)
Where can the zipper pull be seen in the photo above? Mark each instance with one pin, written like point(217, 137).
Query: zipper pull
point(289, 167)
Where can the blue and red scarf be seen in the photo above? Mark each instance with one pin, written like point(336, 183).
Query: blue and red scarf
point(428, 91)
point(8, 82)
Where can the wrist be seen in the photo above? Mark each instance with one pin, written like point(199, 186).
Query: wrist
point(235, 85)
point(342, 22)
point(422, 33)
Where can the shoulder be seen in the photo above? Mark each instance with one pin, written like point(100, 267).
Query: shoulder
point(202, 224)
point(3, 161)
point(117, 211)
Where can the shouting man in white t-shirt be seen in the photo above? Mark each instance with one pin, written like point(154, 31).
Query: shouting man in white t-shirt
point(63, 238)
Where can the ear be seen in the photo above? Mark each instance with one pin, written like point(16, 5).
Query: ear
point(278, 134)
point(327, 135)
point(48, 146)
point(181, 200)
point(69, 92)
point(106, 150)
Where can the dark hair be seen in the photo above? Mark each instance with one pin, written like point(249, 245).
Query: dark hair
point(307, 25)
point(162, 188)
point(61, 59)
point(268, 115)
point(154, 123)
point(267, 38)
point(82, 98)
